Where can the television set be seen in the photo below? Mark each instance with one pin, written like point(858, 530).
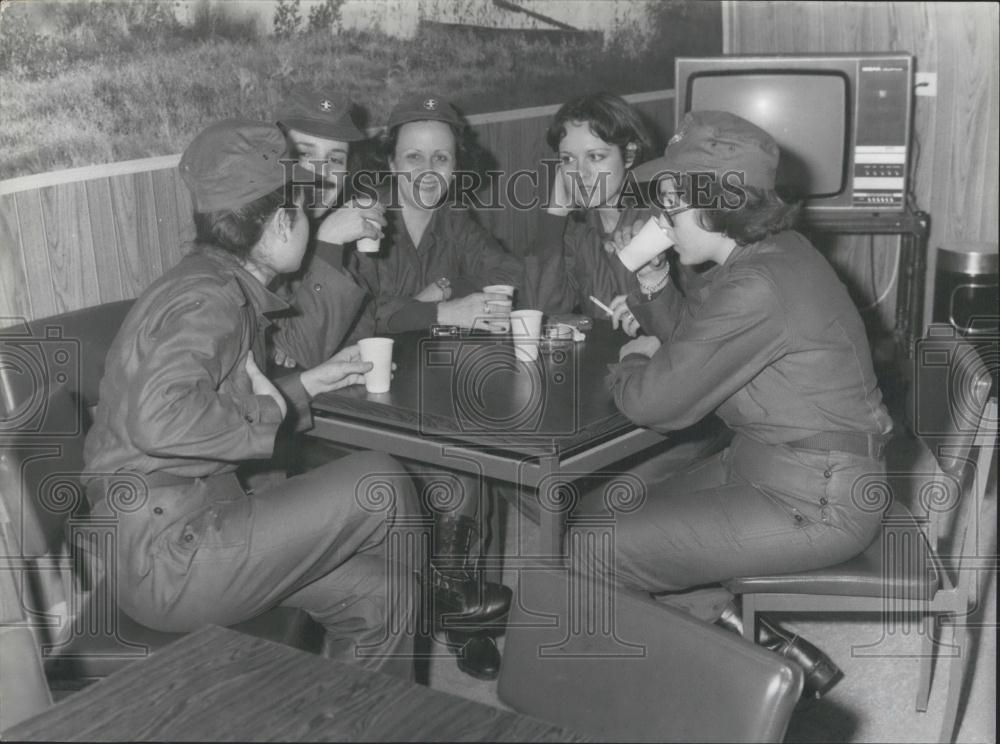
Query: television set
point(842, 121)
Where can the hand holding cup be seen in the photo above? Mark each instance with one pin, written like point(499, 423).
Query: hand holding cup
point(467, 311)
point(354, 222)
point(343, 369)
point(648, 243)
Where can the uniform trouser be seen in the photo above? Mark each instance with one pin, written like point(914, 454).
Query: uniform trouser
point(331, 541)
point(753, 509)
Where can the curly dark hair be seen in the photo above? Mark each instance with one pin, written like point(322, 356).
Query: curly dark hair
point(237, 231)
point(762, 213)
point(610, 117)
point(747, 214)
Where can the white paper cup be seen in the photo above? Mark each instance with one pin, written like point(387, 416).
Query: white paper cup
point(526, 328)
point(504, 289)
point(378, 351)
point(369, 245)
point(649, 243)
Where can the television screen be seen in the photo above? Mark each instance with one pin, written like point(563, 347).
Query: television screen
point(806, 113)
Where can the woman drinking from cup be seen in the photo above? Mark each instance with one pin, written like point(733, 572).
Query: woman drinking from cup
point(436, 265)
point(434, 259)
point(770, 341)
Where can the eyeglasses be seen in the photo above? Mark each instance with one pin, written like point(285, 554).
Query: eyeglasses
point(668, 214)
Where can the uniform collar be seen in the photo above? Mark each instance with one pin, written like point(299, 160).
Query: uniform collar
point(264, 301)
point(626, 216)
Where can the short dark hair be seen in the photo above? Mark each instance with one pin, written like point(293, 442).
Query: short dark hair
point(238, 230)
point(609, 116)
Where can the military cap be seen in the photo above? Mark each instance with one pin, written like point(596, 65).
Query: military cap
point(319, 113)
point(423, 107)
point(717, 142)
point(233, 163)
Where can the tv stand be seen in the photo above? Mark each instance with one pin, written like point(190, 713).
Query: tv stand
point(913, 226)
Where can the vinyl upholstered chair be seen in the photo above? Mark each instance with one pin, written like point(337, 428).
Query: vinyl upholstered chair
point(625, 667)
point(60, 560)
point(921, 565)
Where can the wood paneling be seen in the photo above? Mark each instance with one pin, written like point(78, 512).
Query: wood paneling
point(32, 220)
point(957, 170)
point(14, 300)
point(100, 234)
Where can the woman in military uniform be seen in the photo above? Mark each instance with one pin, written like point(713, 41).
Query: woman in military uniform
point(768, 339)
point(183, 404)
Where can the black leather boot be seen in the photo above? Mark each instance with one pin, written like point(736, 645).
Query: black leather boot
point(478, 655)
point(820, 673)
point(458, 590)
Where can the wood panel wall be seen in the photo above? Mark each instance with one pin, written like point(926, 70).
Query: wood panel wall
point(957, 173)
point(78, 238)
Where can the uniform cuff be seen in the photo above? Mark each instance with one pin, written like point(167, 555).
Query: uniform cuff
point(299, 410)
point(412, 315)
point(331, 253)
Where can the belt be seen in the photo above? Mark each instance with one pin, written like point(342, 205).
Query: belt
point(866, 445)
point(160, 479)
point(149, 480)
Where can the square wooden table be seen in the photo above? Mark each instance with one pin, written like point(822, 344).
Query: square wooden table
point(467, 404)
point(220, 685)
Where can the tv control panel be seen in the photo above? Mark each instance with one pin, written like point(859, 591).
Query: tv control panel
point(881, 133)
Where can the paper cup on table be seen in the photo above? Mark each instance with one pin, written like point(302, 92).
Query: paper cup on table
point(498, 319)
point(648, 243)
point(378, 351)
point(526, 328)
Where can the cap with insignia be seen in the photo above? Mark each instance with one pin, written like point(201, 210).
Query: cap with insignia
point(319, 113)
point(233, 163)
point(717, 142)
point(424, 107)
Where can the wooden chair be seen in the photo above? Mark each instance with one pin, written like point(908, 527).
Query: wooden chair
point(915, 565)
point(49, 376)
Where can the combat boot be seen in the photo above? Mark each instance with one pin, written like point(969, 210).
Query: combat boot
point(458, 590)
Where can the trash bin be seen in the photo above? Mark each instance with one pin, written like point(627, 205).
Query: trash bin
point(966, 297)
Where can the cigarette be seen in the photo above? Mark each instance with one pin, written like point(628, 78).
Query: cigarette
point(601, 305)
